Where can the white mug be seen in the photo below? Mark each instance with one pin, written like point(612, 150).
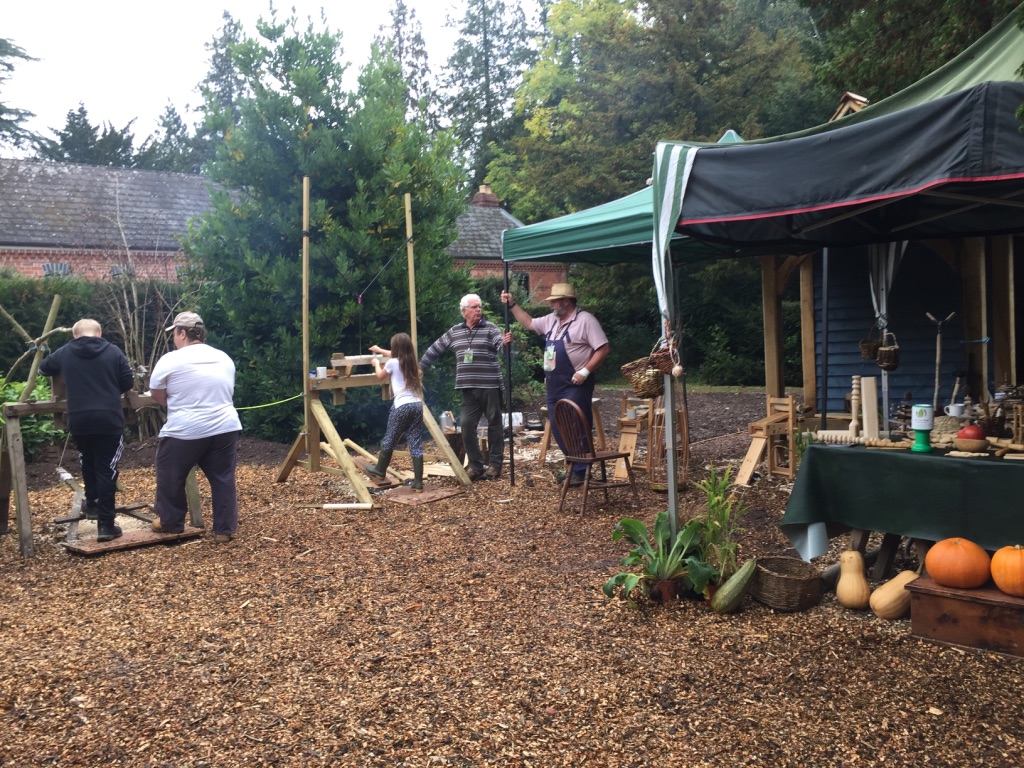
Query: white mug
point(321, 372)
point(954, 409)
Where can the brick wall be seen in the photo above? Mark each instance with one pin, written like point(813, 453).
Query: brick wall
point(91, 265)
point(541, 276)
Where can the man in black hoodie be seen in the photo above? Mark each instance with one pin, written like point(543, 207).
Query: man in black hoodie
point(96, 374)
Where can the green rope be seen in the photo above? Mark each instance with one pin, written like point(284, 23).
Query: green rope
point(267, 405)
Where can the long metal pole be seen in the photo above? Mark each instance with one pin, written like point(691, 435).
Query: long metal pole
point(508, 392)
point(670, 410)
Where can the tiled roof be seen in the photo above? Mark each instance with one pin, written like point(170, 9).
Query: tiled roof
point(62, 205)
point(480, 229)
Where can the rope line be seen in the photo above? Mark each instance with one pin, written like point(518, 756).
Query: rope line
point(268, 405)
point(359, 298)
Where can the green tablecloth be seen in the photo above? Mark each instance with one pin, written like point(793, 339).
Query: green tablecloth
point(929, 496)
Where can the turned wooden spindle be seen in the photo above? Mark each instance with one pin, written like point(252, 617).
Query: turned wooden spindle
point(855, 407)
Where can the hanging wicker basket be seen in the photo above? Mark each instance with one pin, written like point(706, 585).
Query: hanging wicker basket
point(869, 346)
point(647, 382)
point(888, 357)
point(663, 360)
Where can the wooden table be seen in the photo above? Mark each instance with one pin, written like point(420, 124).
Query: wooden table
point(925, 496)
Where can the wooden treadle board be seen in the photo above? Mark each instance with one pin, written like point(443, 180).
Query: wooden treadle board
point(406, 495)
point(374, 482)
point(141, 537)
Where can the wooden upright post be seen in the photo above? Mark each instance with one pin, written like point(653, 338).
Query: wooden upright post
point(312, 427)
point(808, 355)
point(412, 269)
point(772, 308)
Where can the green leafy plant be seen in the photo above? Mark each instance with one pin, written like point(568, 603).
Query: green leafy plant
point(801, 440)
point(37, 431)
point(718, 526)
point(658, 556)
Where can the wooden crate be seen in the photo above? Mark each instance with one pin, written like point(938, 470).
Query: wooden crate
point(983, 618)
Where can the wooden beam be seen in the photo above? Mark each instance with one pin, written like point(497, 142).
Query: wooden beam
point(975, 303)
point(1004, 337)
point(442, 442)
point(5, 484)
point(194, 504)
point(808, 358)
point(788, 268)
point(296, 451)
point(23, 516)
point(344, 460)
point(773, 344)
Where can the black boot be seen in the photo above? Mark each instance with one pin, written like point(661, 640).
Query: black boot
point(105, 528)
point(417, 474)
point(89, 509)
point(380, 469)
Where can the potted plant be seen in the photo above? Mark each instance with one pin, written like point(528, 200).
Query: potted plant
point(718, 527)
point(659, 559)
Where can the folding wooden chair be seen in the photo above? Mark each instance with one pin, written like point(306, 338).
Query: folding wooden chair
point(579, 449)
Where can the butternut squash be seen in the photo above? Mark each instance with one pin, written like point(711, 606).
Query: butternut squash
point(852, 590)
point(891, 600)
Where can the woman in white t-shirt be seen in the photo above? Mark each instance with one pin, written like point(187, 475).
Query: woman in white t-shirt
point(406, 417)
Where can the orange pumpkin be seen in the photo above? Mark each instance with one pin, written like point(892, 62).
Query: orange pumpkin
point(1008, 570)
point(958, 563)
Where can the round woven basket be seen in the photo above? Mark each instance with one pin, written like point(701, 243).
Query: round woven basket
point(888, 355)
point(786, 583)
point(869, 346)
point(647, 381)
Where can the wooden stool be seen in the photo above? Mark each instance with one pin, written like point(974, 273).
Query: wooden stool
point(773, 435)
point(598, 425)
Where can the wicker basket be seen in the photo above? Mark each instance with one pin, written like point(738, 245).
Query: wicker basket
point(662, 360)
point(869, 346)
point(786, 583)
point(994, 425)
point(647, 382)
point(888, 357)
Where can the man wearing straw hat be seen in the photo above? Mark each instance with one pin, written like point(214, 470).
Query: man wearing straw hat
point(574, 347)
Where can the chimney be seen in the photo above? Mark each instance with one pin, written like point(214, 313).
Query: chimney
point(485, 198)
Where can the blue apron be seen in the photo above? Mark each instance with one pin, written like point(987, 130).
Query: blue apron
point(558, 383)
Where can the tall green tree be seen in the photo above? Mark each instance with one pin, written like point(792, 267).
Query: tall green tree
point(615, 77)
point(82, 142)
point(492, 52)
point(12, 130)
point(171, 147)
point(291, 119)
point(878, 48)
point(403, 39)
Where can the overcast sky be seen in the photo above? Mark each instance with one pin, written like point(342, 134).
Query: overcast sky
point(126, 59)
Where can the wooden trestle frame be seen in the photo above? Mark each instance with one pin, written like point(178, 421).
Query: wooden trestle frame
point(12, 462)
point(317, 421)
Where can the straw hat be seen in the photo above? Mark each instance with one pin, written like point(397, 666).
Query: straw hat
point(561, 291)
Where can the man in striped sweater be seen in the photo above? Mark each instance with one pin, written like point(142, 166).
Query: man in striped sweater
point(477, 345)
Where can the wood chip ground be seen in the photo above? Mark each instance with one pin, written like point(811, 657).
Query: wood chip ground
point(467, 632)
